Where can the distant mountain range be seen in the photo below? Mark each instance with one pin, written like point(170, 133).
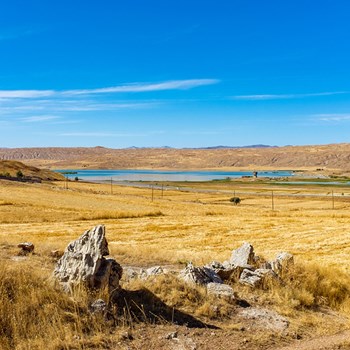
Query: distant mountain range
point(256, 157)
point(211, 147)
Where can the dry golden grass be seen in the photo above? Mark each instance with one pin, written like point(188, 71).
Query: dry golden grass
point(181, 226)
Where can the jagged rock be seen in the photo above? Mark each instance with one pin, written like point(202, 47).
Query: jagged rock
point(226, 271)
point(83, 262)
point(256, 278)
point(282, 263)
point(152, 271)
point(243, 256)
point(99, 306)
point(26, 248)
point(221, 290)
point(130, 273)
point(264, 318)
point(199, 275)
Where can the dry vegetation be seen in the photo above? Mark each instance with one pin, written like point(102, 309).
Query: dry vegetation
point(10, 168)
point(178, 227)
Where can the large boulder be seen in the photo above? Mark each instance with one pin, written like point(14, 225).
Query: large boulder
point(84, 262)
point(199, 275)
point(243, 256)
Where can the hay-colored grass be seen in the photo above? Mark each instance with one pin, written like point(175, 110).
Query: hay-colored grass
point(174, 228)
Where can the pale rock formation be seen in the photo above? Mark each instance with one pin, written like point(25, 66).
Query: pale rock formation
point(243, 256)
point(220, 290)
point(84, 262)
point(199, 275)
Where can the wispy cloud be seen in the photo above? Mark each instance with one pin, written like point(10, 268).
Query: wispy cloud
point(333, 117)
point(146, 87)
point(39, 118)
point(26, 93)
point(101, 134)
point(133, 87)
point(284, 96)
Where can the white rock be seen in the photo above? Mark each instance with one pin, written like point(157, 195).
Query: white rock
point(243, 256)
point(199, 275)
point(83, 262)
point(221, 290)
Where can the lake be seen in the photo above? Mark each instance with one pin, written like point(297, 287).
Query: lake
point(160, 175)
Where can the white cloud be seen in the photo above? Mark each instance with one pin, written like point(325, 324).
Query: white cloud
point(284, 96)
point(39, 118)
point(25, 93)
point(100, 134)
point(145, 87)
point(133, 87)
point(333, 117)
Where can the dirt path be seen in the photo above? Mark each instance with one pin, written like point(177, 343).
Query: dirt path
point(323, 343)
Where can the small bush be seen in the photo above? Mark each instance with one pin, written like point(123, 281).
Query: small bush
point(235, 200)
point(19, 174)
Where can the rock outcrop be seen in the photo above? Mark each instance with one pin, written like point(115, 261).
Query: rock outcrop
point(199, 275)
point(26, 248)
point(84, 262)
point(243, 256)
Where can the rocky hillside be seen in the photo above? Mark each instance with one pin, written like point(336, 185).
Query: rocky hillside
point(11, 168)
point(334, 156)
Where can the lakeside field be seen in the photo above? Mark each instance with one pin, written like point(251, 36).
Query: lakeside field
point(183, 226)
point(187, 222)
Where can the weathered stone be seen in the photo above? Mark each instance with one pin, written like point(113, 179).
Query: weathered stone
point(256, 278)
point(26, 248)
point(221, 290)
point(226, 271)
point(83, 262)
point(152, 271)
point(56, 254)
point(130, 273)
point(264, 318)
point(250, 278)
point(282, 263)
point(99, 306)
point(199, 275)
point(243, 256)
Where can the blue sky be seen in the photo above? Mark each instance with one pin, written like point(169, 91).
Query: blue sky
point(174, 73)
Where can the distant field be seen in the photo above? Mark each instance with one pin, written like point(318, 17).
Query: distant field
point(182, 226)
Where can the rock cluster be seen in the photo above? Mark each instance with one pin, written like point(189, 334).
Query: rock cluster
point(244, 267)
point(84, 262)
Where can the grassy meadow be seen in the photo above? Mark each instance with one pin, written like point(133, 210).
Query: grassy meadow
point(176, 227)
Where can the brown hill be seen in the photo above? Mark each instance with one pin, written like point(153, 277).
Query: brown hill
point(328, 157)
point(10, 168)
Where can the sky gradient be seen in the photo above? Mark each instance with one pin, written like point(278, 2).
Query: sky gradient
point(174, 73)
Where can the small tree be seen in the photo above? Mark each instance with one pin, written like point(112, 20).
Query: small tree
point(19, 174)
point(235, 200)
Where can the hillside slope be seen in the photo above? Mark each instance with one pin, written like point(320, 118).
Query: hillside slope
point(334, 156)
point(12, 167)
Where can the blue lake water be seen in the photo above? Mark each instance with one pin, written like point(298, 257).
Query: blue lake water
point(159, 175)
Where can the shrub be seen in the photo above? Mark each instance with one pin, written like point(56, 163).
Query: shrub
point(235, 200)
point(19, 174)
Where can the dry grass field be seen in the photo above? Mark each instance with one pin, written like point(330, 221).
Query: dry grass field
point(175, 228)
point(181, 226)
